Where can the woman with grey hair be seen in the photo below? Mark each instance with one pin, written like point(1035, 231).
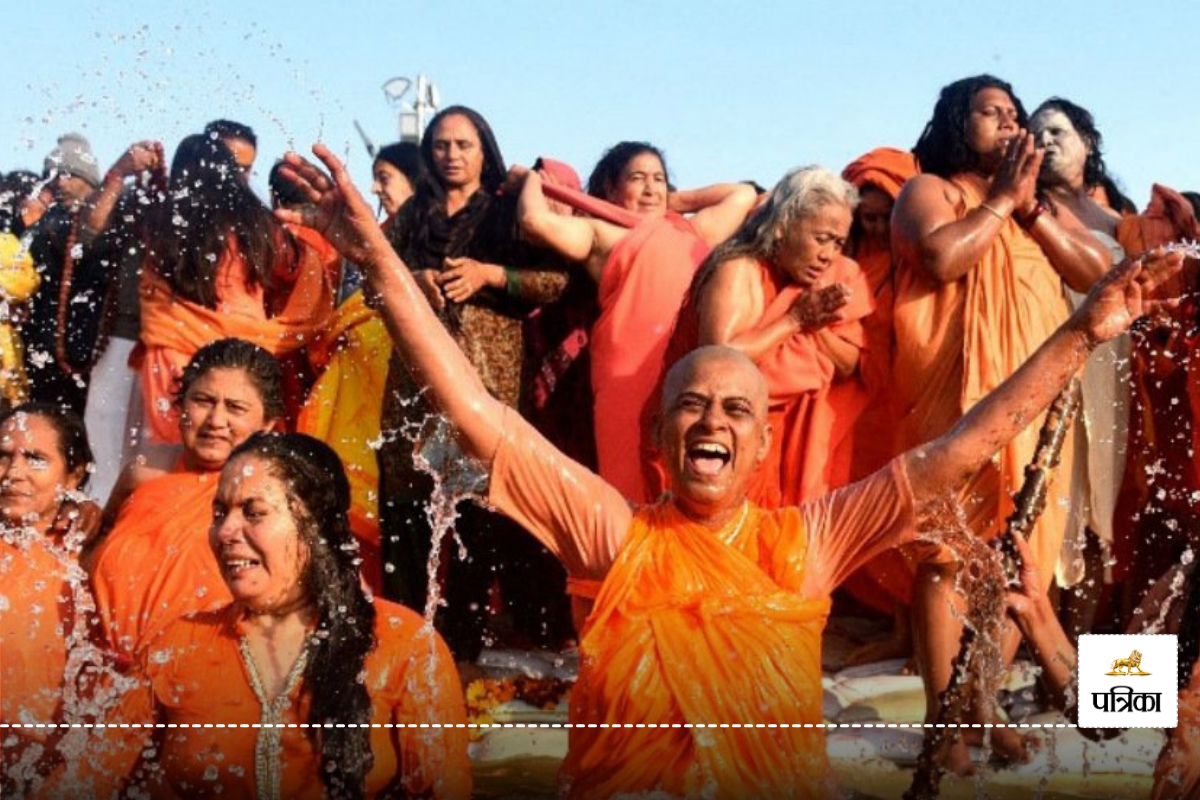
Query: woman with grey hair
point(781, 291)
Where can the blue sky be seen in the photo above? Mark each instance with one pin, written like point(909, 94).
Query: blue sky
point(730, 91)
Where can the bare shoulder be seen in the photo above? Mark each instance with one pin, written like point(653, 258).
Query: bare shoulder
point(925, 189)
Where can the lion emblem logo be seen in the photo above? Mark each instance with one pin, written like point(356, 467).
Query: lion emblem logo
point(1129, 665)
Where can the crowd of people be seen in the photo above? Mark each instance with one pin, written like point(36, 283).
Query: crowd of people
point(672, 426)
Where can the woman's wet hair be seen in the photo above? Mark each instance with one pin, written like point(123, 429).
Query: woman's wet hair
point(942, 148)
point(208, 201)
point(608, 169)
point(319, 499)
point(259, 366)
point(73, 445)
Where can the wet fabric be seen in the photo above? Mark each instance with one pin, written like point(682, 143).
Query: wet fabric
point(872, 441)
point(957, 341)
point(198, 672)
point(36, 612)
point(343, 410)
point(693, 625)
point(156, 565)
point(642, 287)
point(173, 328)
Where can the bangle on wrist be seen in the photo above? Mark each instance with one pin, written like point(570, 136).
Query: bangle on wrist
point(993, 211)
point(1027, 221)
point(512, 282)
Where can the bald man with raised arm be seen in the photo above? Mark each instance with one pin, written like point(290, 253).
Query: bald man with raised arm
point(708, 609)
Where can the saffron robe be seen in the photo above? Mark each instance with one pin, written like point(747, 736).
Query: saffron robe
point(36, 611)
point(173, 328)
point(696, 626)
point(156, 565)
point(957, 341)
point(641, 289)
point(196, 673)
point(1160, 476)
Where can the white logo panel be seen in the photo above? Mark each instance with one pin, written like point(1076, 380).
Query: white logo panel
point(1128, 681)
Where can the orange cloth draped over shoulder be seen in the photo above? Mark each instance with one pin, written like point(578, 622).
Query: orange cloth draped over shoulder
point(642, 286)
point(38, 606)
point(871, 443)
point(173, 328)
point(689, 628)
point(811, 411)
point(344, 409)
point(957, 341)
point(156, 564)
point(1160, 473)
point(695, 625)
point(199, 674)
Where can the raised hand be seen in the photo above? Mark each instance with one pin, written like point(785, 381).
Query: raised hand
point(820, 308)
point(338, 210)
point(1123, 295)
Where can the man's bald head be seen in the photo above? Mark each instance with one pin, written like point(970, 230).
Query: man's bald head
point(730, 361)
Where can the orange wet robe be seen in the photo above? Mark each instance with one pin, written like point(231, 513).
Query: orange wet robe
point(696, 626)
point(173, 328)
point(811, 410)
point(197, 673)
point(344, 409)
point(641, 289)
point(36, 610)
point(156, 565)
point(1160, 475)
point(957, 341)
point(872, 441)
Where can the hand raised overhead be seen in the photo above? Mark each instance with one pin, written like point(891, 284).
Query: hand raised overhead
point(338, 210)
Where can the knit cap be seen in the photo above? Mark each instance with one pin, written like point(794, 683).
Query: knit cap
point(74, 156)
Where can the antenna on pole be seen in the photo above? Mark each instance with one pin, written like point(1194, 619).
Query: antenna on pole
point(416, 115)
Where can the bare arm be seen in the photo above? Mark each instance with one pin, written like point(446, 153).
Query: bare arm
point(731, 307)
point(1030, 608)
point(139, 158)
point(1074, 253)
point(340, 213)
point(843, 354)
point(1110, 308)
point(925, 224)
point(718, 210)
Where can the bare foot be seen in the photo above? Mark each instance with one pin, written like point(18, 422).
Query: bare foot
point(958, 758)
point(1008, 744)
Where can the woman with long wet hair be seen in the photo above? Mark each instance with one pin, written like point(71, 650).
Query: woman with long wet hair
point(219, 265)
point(318, 689)
point(44, 462)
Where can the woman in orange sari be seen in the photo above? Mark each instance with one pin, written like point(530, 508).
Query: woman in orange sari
point(316, 689)
point(44, 458)
point(781, 292)
point(222, 267)
point(643, 253)
point(154, 565)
